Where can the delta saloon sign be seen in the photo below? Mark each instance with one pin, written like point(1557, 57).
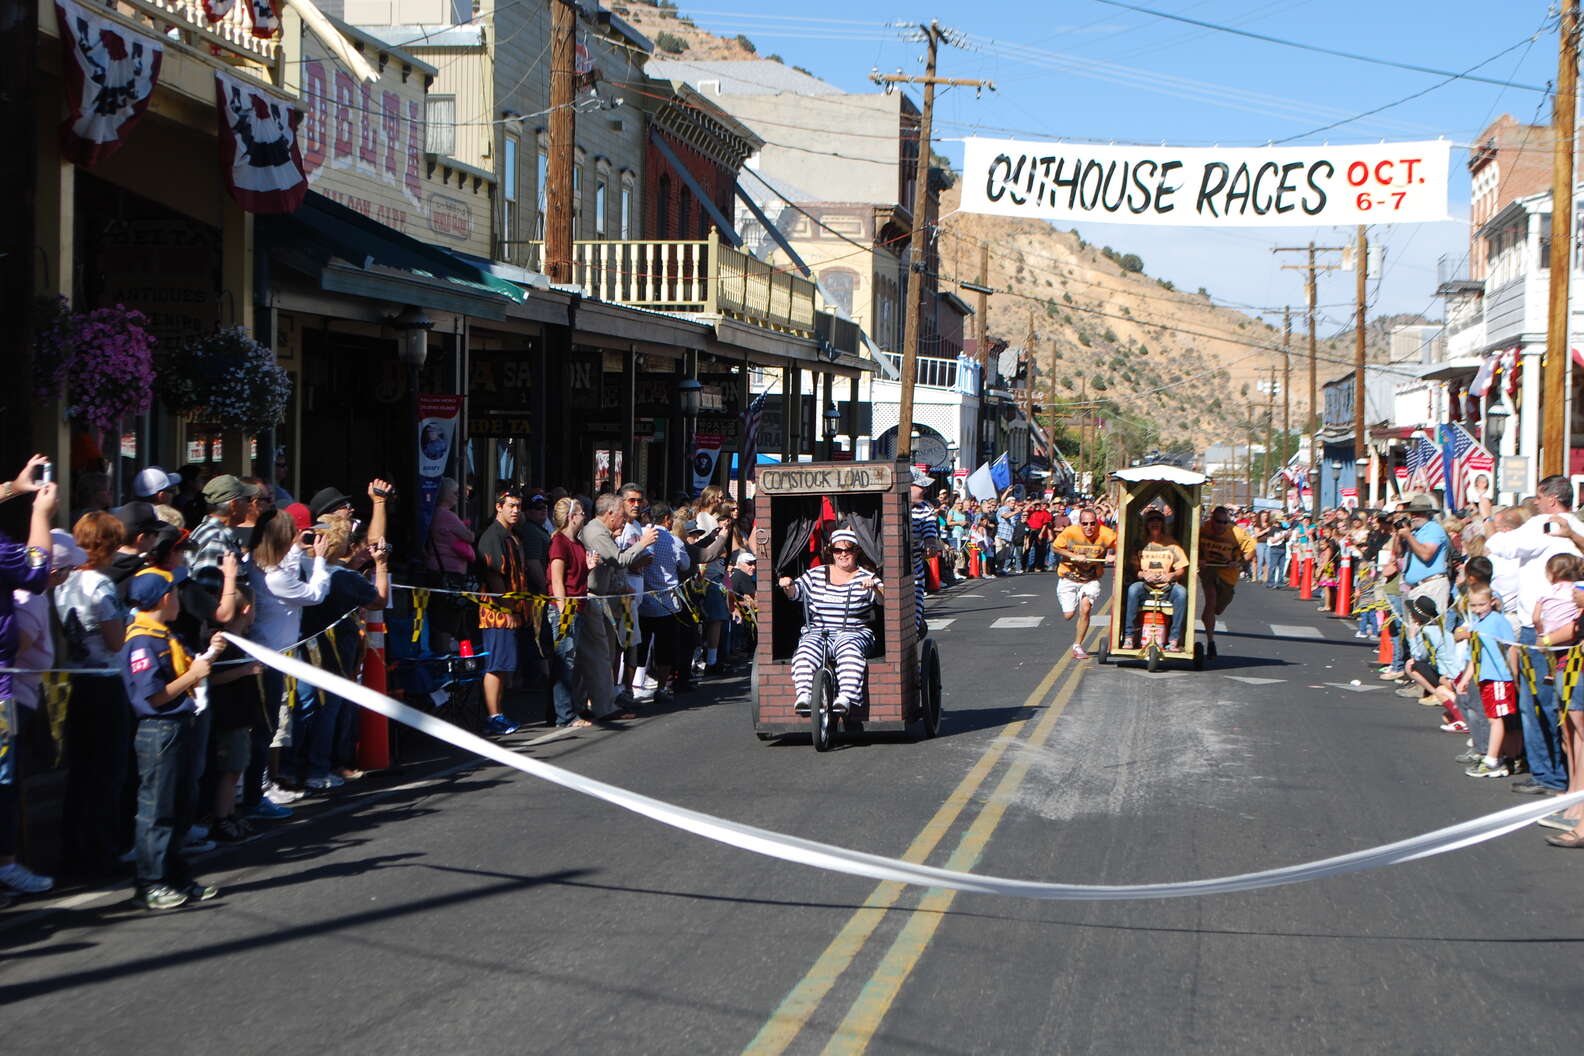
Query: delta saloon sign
point(1383, 183)
point(363, 145)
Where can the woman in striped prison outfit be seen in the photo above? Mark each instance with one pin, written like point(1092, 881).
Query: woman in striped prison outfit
point(839, 598)
point(926, 540)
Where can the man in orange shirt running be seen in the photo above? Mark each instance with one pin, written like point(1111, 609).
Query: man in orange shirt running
point(1224, 552)
point(1086, 548)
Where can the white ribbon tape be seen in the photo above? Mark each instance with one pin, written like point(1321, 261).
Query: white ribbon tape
point(856, 863)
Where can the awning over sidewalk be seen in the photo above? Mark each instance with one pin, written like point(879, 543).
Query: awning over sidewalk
point(349, 253)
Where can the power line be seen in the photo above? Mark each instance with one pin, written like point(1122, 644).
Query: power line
point(1316, 48)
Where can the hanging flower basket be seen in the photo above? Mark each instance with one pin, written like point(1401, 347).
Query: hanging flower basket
point(226, 379)
point(101, 362)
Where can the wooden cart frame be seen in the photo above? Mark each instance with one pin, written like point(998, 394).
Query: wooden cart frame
point(1182, 490)
point(903, 680)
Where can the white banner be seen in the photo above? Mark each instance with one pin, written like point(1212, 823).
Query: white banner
point(1381, 183)
point(802, 851)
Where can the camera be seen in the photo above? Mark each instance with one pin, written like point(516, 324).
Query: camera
point(1402, 522)
point(45, 473)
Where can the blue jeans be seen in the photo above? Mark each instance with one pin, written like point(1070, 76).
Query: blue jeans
point(313, 731)
point(1538, 711)
point(1275, 565)
point(563, 687)
point(1177, 594)
point(167, 759)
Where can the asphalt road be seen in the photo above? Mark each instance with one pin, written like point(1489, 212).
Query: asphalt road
point(471, 909)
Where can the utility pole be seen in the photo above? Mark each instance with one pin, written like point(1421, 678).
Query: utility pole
point(933, 35)
point(1270, 425)
point(1083, 423)
point(1029, 369)
point(1360, 449)
point(982, 307)
point(1553, 409)
point(563, 136)
point(1312, 269)
point(1286, 380)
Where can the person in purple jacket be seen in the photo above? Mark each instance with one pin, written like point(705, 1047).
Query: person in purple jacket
point(24, 565)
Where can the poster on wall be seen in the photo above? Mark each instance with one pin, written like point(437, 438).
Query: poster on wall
point(706, 452)
point(437, 426)
point(1375, 183)
point(110, 76)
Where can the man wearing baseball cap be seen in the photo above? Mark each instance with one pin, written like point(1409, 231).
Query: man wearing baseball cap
point(155, 486)
point(226, 498)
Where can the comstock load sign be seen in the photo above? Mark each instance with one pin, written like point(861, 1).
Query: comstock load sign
point(1382, 183)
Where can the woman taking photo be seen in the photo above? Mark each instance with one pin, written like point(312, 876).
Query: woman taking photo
point(568, 573)
point(280, 552)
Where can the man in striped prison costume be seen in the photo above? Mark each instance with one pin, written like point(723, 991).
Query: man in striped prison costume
point(839, 598)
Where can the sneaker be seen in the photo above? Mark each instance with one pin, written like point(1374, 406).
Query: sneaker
point(197, 891)
point(1391, 674)
point(269, 811)
point(1430, 700)
point(193, 846)
point(231, 830)
point(279, 796)
point(648, 683)
point(1519, 765)
point(841, 705)
point(1455, 727)
point(802, 705)
point(1078, 653)
point(500, 726)
point(161, 897)
point(1484, 769)
point(331, 781)
point(1530, 787)
point(1559, 821)
point(1473, 755)
point(24, 881)
point(1410, 693)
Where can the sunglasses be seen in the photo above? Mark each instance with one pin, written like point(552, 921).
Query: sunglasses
point(844, 549)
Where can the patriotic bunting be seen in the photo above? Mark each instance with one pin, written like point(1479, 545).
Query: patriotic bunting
point(110, 75)
point(259, 154)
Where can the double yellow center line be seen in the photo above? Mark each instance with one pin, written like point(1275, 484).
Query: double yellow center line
point(874, 1000)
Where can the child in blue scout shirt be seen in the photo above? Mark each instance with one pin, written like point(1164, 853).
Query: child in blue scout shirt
point(160, 675)
point(1490, 631)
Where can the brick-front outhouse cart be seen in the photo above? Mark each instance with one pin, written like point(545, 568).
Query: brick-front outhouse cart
point(794, 504)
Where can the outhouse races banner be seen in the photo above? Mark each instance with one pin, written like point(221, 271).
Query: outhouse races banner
point(259, 156)
point(1380, 183)
point(110, 73)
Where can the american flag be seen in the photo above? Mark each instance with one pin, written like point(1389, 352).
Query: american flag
point(1468, 457)
point(1423, 460)
point(750, 444)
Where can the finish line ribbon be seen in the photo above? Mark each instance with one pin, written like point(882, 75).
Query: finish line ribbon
point(857, 863)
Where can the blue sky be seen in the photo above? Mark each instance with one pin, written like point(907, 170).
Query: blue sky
point(1083, 69)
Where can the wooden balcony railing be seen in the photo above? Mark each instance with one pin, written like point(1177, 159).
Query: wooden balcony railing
point(230, 38)
point(705, 277)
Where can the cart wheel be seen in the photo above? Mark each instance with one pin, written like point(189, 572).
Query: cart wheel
point(1199, 656)
point(1152, 659)
point(1104, 655)
point(821, 718)
point(930, 687)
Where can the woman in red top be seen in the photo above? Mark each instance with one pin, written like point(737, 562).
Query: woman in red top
point(569, 569)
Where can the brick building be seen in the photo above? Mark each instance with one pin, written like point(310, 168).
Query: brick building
point(1508, 161)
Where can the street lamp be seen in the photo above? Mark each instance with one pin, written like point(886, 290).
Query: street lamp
point(690, 395)
point(412, 328)
point(832, 423)
point(1336, 482)
point(1496, 428)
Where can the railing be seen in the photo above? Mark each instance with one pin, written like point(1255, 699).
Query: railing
point(933, 372)
point(232, 33)
point(704, 277)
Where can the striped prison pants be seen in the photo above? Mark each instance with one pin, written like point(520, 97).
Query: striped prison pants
point(847, 647)
point(918, 596)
